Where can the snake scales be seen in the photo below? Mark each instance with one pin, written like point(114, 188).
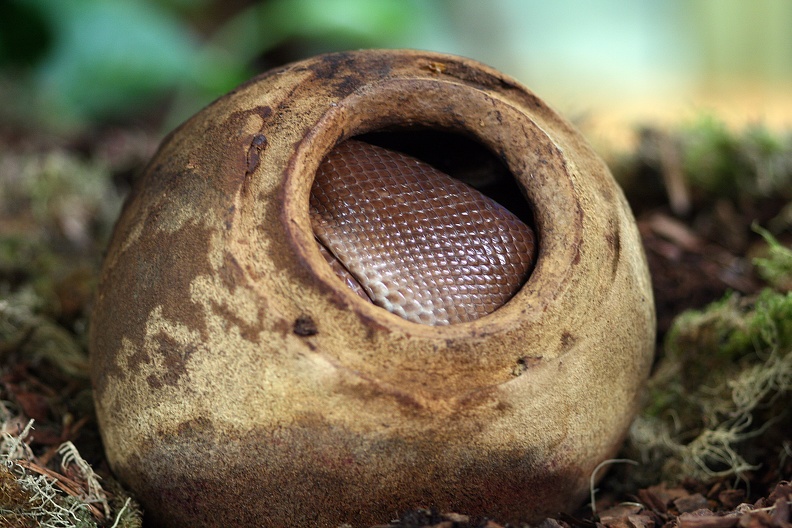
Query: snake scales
point(414, 240)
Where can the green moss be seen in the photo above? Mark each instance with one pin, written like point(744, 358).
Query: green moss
point(776, 267)
point(726, 163)
point(707, 161)
point(56, 212)
point(36, 338)
point(723, 381)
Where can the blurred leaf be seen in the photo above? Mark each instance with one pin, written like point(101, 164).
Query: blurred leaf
point(382, 23)
point(320, 25)
point(108, 60)
point(184, 5)
point(111, 57)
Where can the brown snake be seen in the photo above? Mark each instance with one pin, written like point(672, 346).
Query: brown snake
point(414, 240)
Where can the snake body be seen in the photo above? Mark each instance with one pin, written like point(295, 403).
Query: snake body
point(414, 240)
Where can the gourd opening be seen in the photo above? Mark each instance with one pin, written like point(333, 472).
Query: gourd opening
point(427, 224)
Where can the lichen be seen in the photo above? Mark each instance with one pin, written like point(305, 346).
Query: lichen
point(32, 494)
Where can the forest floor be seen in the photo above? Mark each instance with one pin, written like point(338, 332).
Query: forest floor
point(712, 447)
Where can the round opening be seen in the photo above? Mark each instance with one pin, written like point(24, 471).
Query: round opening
point(427, 224)
point(509, 129)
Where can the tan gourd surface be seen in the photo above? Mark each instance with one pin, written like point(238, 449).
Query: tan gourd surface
point(238, 381)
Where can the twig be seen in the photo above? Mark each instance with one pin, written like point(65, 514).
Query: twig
point(593, 478)
point(121, 512)
point(68, 486)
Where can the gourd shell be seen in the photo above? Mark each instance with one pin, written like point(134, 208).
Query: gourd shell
point(238, 382)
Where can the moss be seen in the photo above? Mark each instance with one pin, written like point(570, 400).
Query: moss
point(723, 382)
point(13, 498)
point(726, 163)
point(776, 267)
point(57, 209)
point(691, 167)
point(127, 512)
point(30, 494)
point(37, 338)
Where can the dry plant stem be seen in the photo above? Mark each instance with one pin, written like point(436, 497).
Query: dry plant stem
point(121, 512)
point(593, 480)
point(673, 176)
point(65, 484)
point(230, 363)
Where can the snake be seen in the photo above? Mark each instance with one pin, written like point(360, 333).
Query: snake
point(413, 240)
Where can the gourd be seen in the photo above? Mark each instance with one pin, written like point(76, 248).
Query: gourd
point(239, 382)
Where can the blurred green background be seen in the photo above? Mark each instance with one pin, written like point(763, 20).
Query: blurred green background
point(69, 64)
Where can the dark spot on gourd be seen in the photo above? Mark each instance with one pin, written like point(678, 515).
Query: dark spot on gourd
point(305, 326)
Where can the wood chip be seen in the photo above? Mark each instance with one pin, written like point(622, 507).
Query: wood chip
point(690, 503)
point(620, 511)
point(640, 521)
point(652, 500)
point(731, 498)
point(781, 515)
point(706, 519)
point(675, 231)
